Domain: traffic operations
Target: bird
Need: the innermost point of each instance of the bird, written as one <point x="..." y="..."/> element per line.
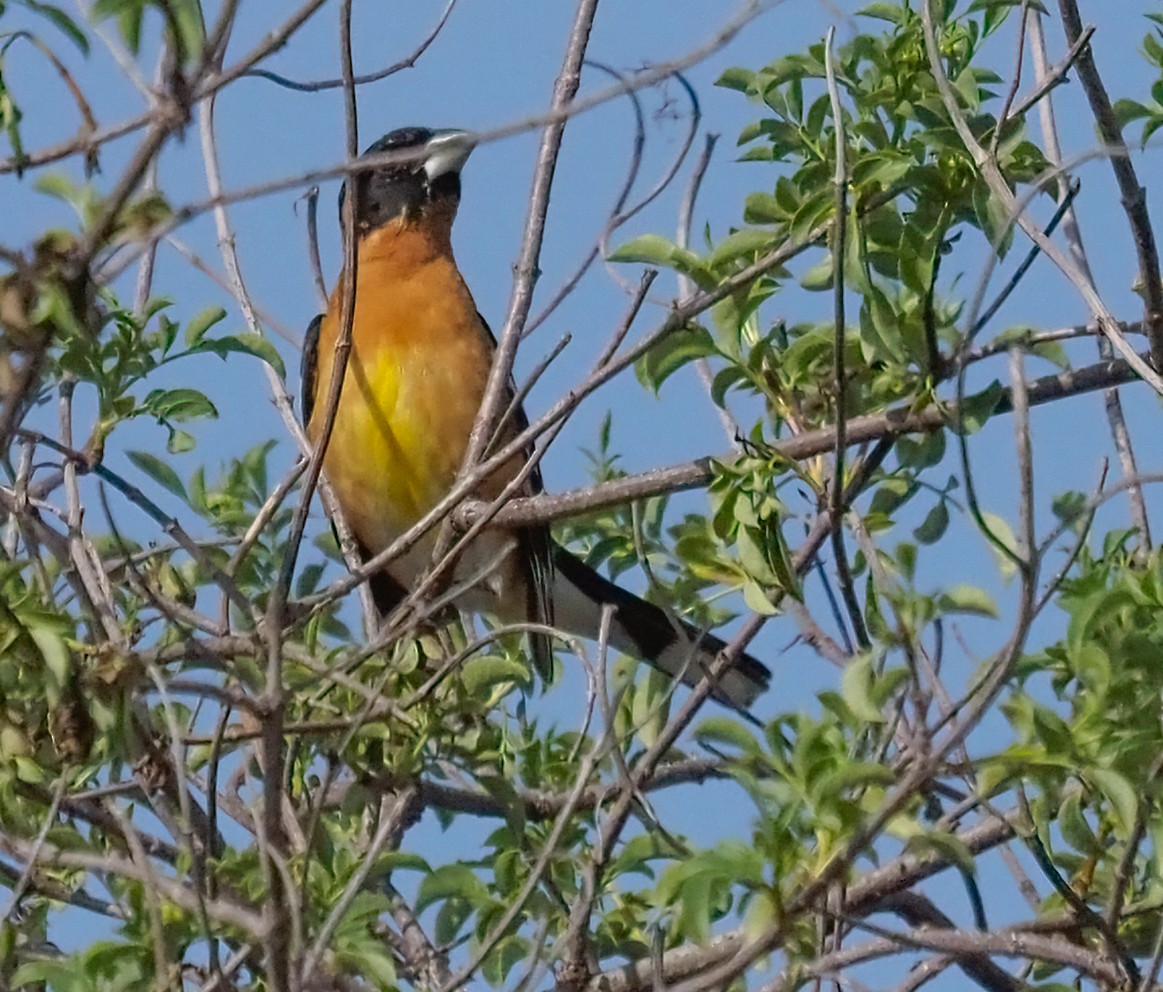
<point x="420" y="358"/>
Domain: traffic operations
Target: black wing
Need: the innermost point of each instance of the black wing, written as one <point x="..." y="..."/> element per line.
<point x="309" y="368"/>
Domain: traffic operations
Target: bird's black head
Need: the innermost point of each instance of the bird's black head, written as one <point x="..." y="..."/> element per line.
<point x="427" y="175"/>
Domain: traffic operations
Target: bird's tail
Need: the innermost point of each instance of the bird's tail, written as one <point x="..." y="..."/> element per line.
<point x="645" y="631"/>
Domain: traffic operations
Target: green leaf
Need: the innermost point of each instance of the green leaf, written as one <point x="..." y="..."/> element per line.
<point x="671" y="353"/>
<point x="979" y="5"/>
<point x="1129" y="111"/>
<point x="1120" y="792"/>
<point x="180" y="442"/>
<point x="856" y="689"/>
<point x="819" y="277"/>
<point x="1002" y="531"/>
<point x="450" y="919"/>
<point x="56" y="973"/>
<point x="188" y="20"/>
<point x="891" y="12"/>
<point x="247" y="344"/>
<point x="654" y="250"/>
<point x="946" y="846"/>
<point x="179" y="404"/>
<point x="159" y="471"/>
<point x="892" y="494"/>
<point x="975" y="410"/>
<point x="1075" y="829"/>
<point x="1069" y="507"/>
<point x="933" y="527"/>
<point x="28" y="770"/>
<point x="196" y="329"/>
<point x="54" y="651"/>
<point x="736" y="78"/>
<point x="763" y="208"/>
<point x="481" y="675"/>
<point x="880" y="324"/>
<point x="506" y="795"/>
<point x="448" y="882"/>
<point x="992" y="217"/>
<point x="923" y="451"/>
<point x="63" y="22"/>
<point x="10" y="117"/>
<point x="510" y="950"/>
<point x="651" y="249"/>
<point x="724" y="379"/>
<point x="129" y="14"/>
<point x="59" y="186"/>
<point x="725" y="730"/>
<point x="402" y="861"/>
<point x="756" y="599"/>
<point x="967" y="599"/>
<point x="745" y="243"/>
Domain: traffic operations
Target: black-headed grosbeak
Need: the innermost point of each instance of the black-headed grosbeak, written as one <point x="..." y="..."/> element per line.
<point x="420" y="358"/>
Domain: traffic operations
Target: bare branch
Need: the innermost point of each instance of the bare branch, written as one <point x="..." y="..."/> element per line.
<point x="1134" y="195"/>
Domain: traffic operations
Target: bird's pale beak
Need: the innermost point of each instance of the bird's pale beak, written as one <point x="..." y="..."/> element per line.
<point x="447" y="151"/>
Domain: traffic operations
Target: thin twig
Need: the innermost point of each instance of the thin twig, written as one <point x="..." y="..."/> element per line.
<point x="322" y="85"/>
<point x="1134" y="196"/>
<point x="527" y="268"/>
<point x="1114" y="408"/>
<point x="685" y="287"/>
<point x="840" y="338"/>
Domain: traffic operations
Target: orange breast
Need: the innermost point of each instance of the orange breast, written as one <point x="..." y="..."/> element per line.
<point x="417" y="371"/>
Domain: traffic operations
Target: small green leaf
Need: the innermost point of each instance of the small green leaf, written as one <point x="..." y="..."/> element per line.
<point x="967" y="599"/>
<point x="655" y="250"/>
<point x="510" y="951"/>
<point x="933" y="527"/>
<point x="1002" y="532"/>
<point x="54" y="651"/>
<point x="28" y="770"/>
<point x="744" y="244"/>
<point x="923" y="451"/>
<point x="893" y="493"/>
<point x="188" y="21"/>
<point x="179" y="404"/>
<point x="736" y="78"/>
<point x="724" y="730"/>
<point x="946" y="846"/>
<point x="856" y="689"/>
<point x="1121" y="794"/>
<point x="481" y="675"/>
<point x="1069" y="507"/>
<point x="975" y="410"/>
<point x="1128" y="111"/>
<point x="63" y="22"/>
<point x="180" y="442"/>
<point x="448" y="882"/>
<point x="819" y="277"/>
<point x="129" y="14"/>
<point x="652" y="249"/>
<point x="756" y="599"/>
<point x="883" y="11"/>
<point x="724" y="379"/>
<point x="1075" y="829"/>
<point x="159" y="471"/>
<point x="671" y="353"/>
<point x="196" y="329"/>
<point x="247" y="344"/>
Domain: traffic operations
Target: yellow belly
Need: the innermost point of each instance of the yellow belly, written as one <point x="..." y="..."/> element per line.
<point x="399" y="438"/>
